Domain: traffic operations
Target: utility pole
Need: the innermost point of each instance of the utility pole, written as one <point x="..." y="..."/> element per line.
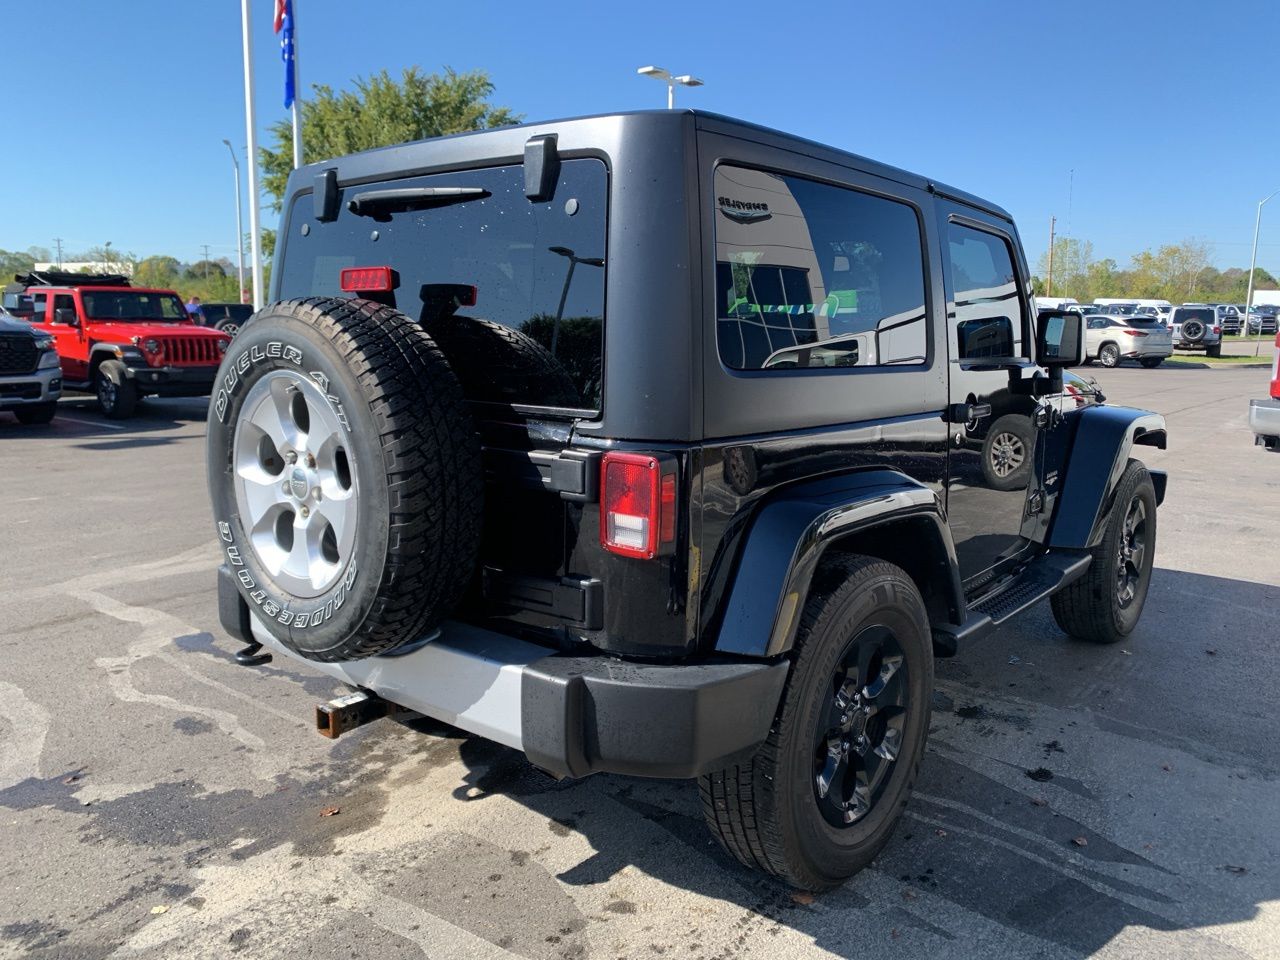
<point x="57" y="241"/>
<point x="251" y="138"/>
<point x="1048" y="284"/>
<point x="206" y="260"/>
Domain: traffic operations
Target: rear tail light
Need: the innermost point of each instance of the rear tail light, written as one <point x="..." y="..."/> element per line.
<point x="1217" y="329"/>
<point x="368" y="280"/>
<point x="637" y="505"/>
<point x="1136" y="333"/>
<point x="1275" y="371"/>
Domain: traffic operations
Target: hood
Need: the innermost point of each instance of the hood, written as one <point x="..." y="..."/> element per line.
<point x="9" y="325"/>
<point x="108" y="330"/>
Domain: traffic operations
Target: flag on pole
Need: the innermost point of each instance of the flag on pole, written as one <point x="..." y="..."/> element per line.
<point x="284" y="27"/>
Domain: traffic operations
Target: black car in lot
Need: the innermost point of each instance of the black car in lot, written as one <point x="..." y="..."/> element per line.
<point x="656" y="443"/>
<point x="228" y="317"/>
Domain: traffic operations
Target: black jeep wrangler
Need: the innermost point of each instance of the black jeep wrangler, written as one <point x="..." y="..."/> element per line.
<point x="654" y="444"/>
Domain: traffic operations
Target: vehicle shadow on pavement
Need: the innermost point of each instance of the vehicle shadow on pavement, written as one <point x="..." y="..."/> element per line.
<point x="79" y="419"/>
<point x="1118" y="835"/>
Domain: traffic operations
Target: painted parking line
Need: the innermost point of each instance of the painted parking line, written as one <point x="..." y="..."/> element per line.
<point x="91" y="423"/>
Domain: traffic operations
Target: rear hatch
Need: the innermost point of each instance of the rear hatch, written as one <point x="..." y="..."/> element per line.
<point x="513" y="292"/>
<point x="1155" y="333"/>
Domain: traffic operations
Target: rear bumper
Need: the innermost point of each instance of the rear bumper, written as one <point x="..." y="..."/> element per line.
<point x="43" y="386"/>
<point x="174" y="381"/>
<point x="572" y="716"/>
<point x="1264" y="421"/>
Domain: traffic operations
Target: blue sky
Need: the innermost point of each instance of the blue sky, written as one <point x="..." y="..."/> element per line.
<point x="1166" y="111"/>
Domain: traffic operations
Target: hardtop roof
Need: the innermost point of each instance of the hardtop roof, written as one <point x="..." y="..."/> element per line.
<point x="704" y="120"/>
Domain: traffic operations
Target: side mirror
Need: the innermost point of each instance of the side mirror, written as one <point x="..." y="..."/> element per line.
<point x="1059" y="339"/>
<point x="66" y="315"/>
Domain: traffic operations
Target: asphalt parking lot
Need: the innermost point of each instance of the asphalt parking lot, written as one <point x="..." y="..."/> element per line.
<point x="157" y="800"/>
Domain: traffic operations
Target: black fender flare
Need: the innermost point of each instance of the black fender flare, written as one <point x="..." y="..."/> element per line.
<point x="1102" y="438"/>
<point x="791" y="531"/>
<point x="102" y="350"/>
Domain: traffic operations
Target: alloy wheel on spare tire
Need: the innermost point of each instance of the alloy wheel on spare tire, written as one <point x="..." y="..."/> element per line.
<point x="345" y="476"/>
<point x="1193" y="331"/>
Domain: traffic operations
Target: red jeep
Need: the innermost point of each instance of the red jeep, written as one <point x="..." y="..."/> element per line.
<point x="123" y="342"/>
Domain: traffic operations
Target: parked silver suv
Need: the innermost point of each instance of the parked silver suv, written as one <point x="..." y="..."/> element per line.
<point x="30" y="375"/>
<point x="1195" y="327"/>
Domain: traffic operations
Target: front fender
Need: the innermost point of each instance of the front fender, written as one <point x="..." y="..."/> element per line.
<point x="1102" y="440"/>
<point x="790" y="533"/>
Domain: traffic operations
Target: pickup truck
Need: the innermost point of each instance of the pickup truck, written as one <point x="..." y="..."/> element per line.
<point x="1264" y="415"/>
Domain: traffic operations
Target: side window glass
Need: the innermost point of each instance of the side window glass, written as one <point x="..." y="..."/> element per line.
<point x="987" y="308"/>
<point x="38" y="302"/>
<point x="63" y="301"/>
<point x="810" y="275"/>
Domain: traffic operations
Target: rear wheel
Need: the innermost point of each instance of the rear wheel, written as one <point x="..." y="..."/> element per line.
<point x="229" y="327"/>
<point x="1151" y="362"/>
<point x="1105" y="604"/>
<point x="1109" y="355"/>
<point x="820" y="798"/>
<point x="36" y="413"/>
<point x="117" y="394"/>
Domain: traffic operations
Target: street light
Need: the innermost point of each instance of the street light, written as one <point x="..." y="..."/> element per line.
<point x="564" y="293"/>
<point x="659" y="74"/>
<point x="239" y="229"/>
<point x="1253" y="263"/>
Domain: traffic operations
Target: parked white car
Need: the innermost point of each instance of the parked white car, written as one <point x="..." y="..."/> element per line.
<point x="1110" y="339"/>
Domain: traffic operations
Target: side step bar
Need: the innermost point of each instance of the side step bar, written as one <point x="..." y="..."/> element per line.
<point x="1038" y="580"/>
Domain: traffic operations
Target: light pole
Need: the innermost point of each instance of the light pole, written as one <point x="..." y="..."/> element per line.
<point x="1253" y="263"/>
<point x="564" y="293"/>
<point x="239" y="228"/>
<point x="659" y="74"/>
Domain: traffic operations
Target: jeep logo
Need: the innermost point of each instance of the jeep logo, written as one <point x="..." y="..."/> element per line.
<point x="743" y="211"/>
<point x="298" y="483"/>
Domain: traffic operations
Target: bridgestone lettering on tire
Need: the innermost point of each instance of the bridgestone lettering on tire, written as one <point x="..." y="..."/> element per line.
<point x="345" y="475"/>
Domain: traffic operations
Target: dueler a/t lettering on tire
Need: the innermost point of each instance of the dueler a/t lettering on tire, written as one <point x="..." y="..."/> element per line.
<point x="345" y="476"/>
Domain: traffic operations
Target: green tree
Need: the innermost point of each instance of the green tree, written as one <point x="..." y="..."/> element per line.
<point x="205" y="269"/>
<point x="157" y="271"/>
<point x="381" y="111"/>
<point x="1071" y="260"/>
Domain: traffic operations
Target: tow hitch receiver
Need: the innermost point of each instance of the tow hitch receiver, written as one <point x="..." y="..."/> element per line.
<point x="336" y="717"/>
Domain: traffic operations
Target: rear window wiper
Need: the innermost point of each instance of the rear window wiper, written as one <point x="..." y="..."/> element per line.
<point x="379" y="203"/>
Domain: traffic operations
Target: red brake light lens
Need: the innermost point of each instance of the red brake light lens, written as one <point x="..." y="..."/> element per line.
<point x="637" y="505"/>
<point x="368" y="279"/>
<point x="1135" y="333"/>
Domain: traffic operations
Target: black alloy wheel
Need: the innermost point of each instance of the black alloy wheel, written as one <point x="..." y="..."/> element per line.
<point x="858" y="738"/>
<point x="1132" y="552"/>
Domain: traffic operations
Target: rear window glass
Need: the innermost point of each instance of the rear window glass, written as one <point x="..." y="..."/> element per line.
<point x="1203" y="314"/>
<point x="532" y="332"/>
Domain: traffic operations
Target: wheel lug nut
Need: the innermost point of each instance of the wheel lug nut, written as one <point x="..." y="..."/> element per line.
<point x="290" y="457"/>
<point x="285" y="486"/>
<point x="305" y="512"/>
<point x="311" y="461"/>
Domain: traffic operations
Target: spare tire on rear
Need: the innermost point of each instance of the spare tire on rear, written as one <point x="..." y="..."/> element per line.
<point x="345" y="476"/>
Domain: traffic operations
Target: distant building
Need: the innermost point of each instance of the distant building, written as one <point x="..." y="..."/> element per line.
<point x="88" y="266"/>
<point x="1268" y="297"/>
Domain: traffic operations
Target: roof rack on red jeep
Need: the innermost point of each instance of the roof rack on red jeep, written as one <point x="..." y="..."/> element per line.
<point x="57" y="278"/>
